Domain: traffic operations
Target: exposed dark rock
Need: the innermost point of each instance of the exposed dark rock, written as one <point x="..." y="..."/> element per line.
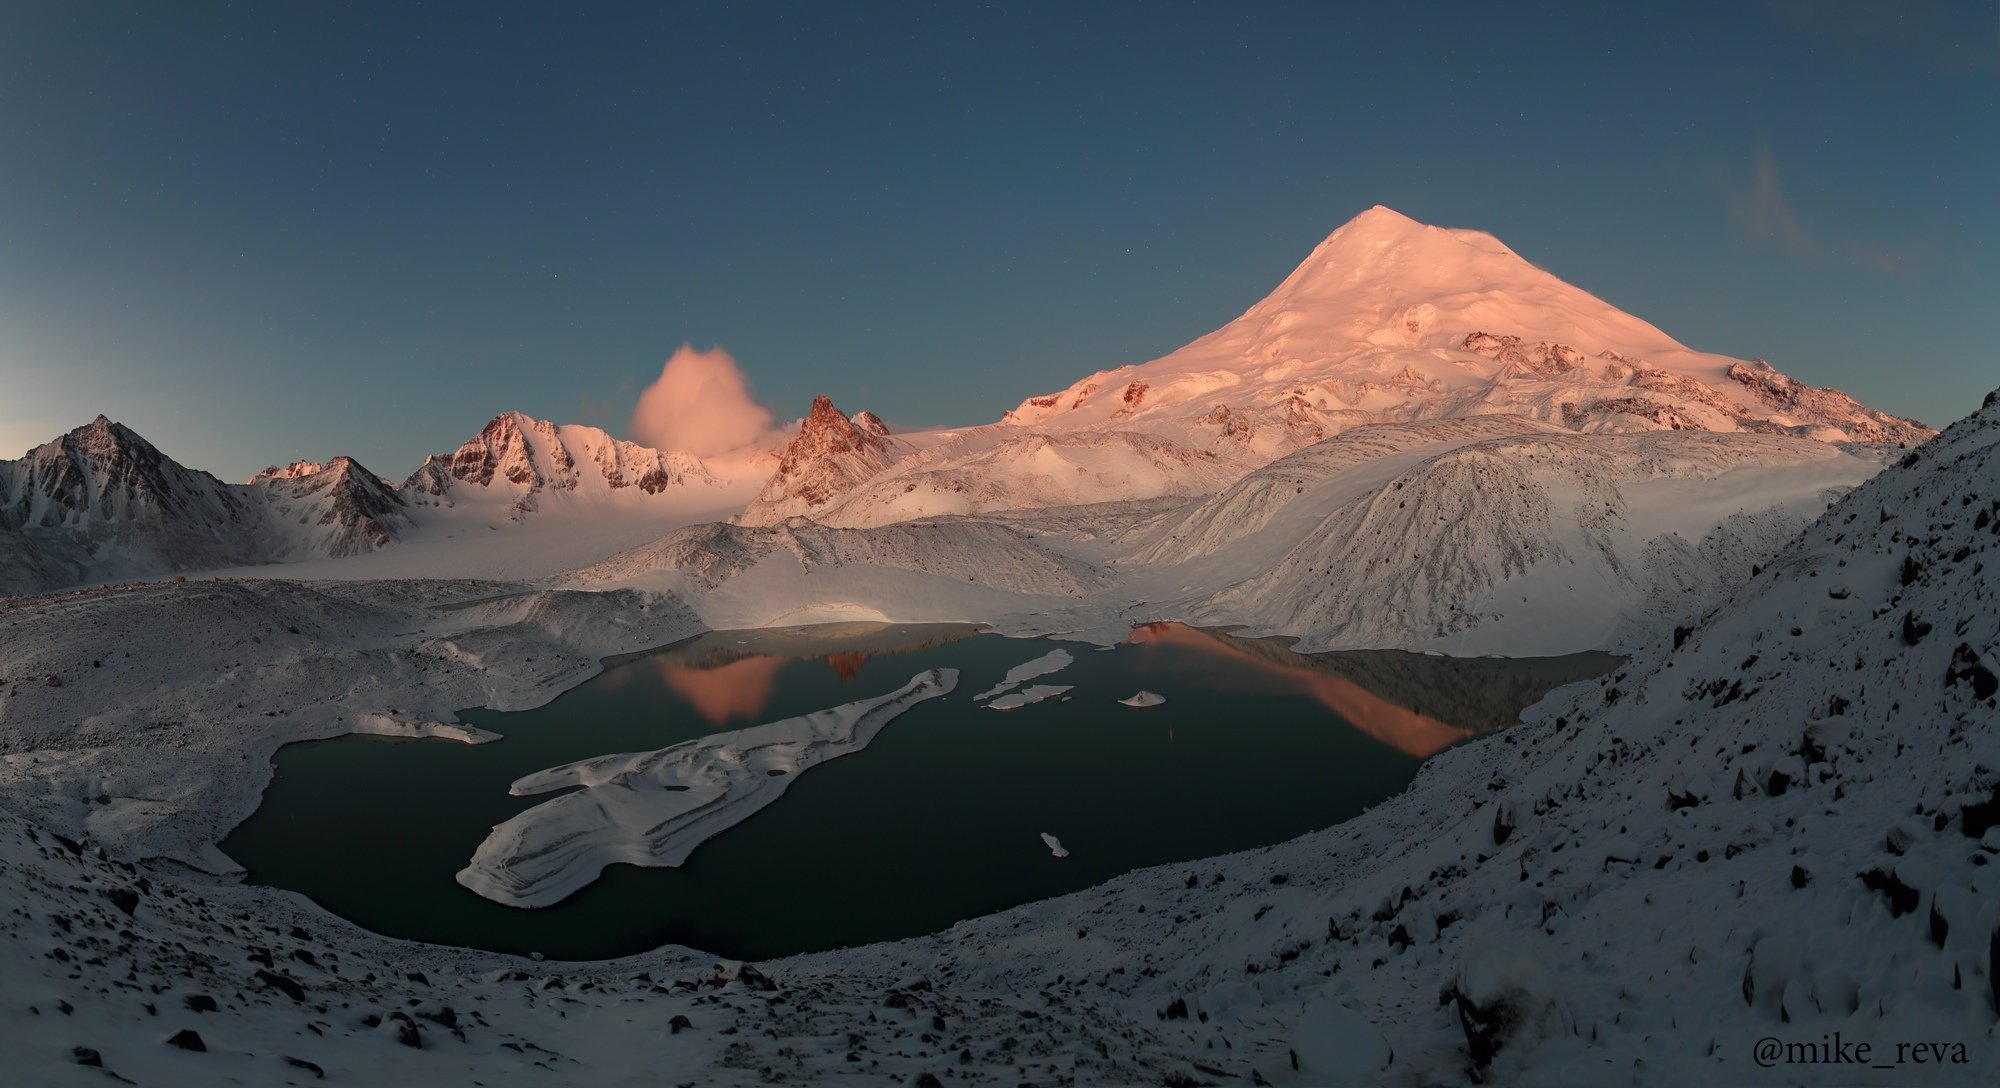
<point x="1967" y="667"/>
<point x="1914" y="628"/>
<point x="405" y="1030"/>
<point x="1902" y="898"/>
<point x="287" y="986"/>
<point x="1977" y="818"/>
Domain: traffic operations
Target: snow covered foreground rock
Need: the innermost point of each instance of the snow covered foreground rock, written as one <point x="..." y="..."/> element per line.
<point x="1776" y="825"/>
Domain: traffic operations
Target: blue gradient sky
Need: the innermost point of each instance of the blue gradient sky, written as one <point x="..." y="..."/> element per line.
<point x="255" y="232"/>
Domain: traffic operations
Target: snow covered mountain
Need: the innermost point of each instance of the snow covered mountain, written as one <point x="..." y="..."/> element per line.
<point x="102" y="502"/>
<point x="829" y="457"/>
<point x="336" y="510"/>
<point x="1389" y="319"/>
<point x="1386" y="321"/>
<point x="522" y="461"/>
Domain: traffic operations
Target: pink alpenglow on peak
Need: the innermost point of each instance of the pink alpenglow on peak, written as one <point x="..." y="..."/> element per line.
<point x="1391" y="320"/>
<point x="527" y="458"/>
<point x="831" y="456"/>
<point x="292" y="471"/>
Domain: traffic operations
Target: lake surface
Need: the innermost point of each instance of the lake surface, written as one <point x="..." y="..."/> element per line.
<point x="938" y="820"/>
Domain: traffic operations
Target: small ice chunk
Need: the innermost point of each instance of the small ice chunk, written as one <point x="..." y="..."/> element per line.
<point x="1144" y="698"/>
<point x="1022" y="673"/>
<point x="1029" y="695"/>
<point x="1055" y="845"/>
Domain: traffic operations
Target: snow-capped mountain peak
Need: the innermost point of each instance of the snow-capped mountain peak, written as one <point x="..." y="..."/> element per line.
<point x="101" y="500"/>
<point x="1391" y="320"/>
<point x="331" y="510"/>
<point x="830" y="456"/>
<point x="103" y="473"/>
<point x="870" y="422"/>
<point x="293" y="471"/>
<point x="525" y="458"/>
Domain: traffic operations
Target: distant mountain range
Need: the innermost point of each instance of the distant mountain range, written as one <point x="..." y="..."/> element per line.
<point x="1387" y="322"/>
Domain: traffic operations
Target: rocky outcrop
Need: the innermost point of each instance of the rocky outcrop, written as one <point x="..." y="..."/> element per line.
<point x="525" y="459"/>
<point x="831" y="456"/>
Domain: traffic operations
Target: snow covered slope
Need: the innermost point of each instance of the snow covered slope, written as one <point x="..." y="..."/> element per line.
<point x="1000" y="471"/>
<point x="1537" y="543"/>
<point x="803" y="572"/>
<point x="1389" y="319"/>
<point x="1312" y="482"/>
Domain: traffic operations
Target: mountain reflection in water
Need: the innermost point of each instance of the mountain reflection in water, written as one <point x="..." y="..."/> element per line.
<point x="1391" y="695"/>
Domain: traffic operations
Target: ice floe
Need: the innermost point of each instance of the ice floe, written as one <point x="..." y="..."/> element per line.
<point x="1017" y="700"/>
<point x="653" y="808"/>
<point x="1055" y="845"/>
<point x="1144" y="698"/>
<point x="1052" y="661"/>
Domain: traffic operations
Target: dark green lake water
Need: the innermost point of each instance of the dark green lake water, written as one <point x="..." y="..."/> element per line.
<point x="938" y="820"/>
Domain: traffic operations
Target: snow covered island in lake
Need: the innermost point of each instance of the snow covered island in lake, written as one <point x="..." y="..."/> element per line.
<point x="653" y="808"/>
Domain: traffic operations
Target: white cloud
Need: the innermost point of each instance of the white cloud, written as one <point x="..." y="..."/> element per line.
<point x="701" y="404"/>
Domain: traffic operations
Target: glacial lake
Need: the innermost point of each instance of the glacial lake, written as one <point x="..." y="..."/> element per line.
<point x="938" y="820"/>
